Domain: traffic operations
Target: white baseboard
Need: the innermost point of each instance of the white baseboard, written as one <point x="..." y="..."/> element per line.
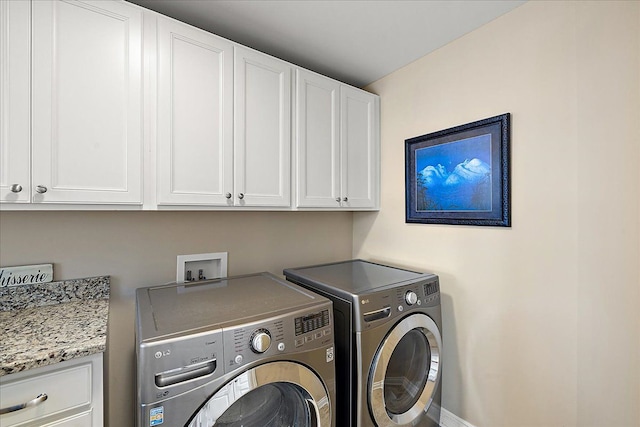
<point x="448" y="419"/>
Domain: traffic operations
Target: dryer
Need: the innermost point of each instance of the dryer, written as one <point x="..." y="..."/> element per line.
<point x="388" y="341"/>
<point x="246" y="351"/>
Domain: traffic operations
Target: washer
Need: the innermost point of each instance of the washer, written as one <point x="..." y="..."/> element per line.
<point x="246" y="351"/>
<point x="388" y="341"/>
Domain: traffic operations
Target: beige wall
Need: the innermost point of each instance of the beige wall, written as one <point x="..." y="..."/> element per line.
<point x="139" y="249"/>
<point x="541" y="320"/>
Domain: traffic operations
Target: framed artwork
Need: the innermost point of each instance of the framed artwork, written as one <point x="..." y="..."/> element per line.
<point x="460" y="175"/>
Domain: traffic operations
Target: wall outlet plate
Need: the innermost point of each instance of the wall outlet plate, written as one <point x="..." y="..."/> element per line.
<point x="192" y="268"/>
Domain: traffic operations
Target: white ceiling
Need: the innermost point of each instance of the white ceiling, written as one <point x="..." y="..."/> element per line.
<point x="357" y="42"/>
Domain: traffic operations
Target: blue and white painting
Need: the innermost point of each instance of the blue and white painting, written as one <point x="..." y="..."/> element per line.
<point x="455" y="176"/>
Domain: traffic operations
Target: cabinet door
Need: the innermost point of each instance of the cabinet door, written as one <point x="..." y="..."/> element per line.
<point x="86" y="102"/>
<point x="262" y="141"/>
<point x="15" y="50"/>
<point x="317" y="139"/>
<point x="195" y="116"/>
<point x="359" y="147"/>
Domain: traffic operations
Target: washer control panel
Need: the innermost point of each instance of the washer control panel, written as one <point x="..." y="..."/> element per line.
<point x="300" y="331"/>
<point x="312" y="327"/>
<point x="312" y="322"/>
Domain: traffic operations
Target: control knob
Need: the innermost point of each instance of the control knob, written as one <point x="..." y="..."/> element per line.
<point x="260" y="341"/>
<point x="410" y="297"/>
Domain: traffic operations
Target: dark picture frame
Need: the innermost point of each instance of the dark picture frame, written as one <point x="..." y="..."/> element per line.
<point x="460" y="175"/>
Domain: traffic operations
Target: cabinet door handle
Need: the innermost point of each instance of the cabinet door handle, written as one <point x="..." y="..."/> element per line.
<point x="338" y="199"/>
<point x="346" y="199"/>
<point x="39" y="399"/>
<point x="241" y="196"/>
<point x="16" y="188"/>
<point x="41" y="189"/>
<point x="228" y="195"/>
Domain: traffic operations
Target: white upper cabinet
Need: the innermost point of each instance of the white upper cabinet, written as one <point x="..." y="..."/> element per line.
<point x="337" y="160"/>
<point x="224" y="122"/>
<point x="262" y="146"/>
<point x="359" y="148"/>
<point x="15" y="89"/>
<point x="218" y="118"/>
<point x="195" y="116"/>
<point x="86" y="102"/>
<point x="318" y="141"/>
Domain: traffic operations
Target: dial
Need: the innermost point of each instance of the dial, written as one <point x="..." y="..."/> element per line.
<point x="260" y="341"/>
<point x="410" y="297"/>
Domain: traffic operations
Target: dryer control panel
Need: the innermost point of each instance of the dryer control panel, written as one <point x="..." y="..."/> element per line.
<point x="385" y="305"/>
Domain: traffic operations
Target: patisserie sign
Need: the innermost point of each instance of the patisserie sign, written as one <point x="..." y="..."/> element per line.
<point x="25" y="275"/>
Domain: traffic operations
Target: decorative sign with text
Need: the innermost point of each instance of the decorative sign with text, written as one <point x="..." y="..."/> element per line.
<point x="25" y="275"/>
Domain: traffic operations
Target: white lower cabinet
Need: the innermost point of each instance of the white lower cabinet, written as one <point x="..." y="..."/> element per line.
<point x="73" y="390"/>
<point x="80" y="420"/>
<point x="337" y="145"/>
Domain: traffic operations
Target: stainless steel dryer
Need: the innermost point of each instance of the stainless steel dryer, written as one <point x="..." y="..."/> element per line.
<point x="388" y="341"/>
<point x="243" y="351"/>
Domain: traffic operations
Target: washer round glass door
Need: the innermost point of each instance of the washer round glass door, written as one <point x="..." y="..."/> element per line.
<point x="405" y="372"/>
<point x="271" y="395"/>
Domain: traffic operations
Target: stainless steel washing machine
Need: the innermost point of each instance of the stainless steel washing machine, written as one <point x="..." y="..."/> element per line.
<point x="388" y="341"/>
<point x="245" y="351"/>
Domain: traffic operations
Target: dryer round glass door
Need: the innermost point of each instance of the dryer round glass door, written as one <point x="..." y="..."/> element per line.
<point x="405" y="372"/>
<point x="270" y="395"/>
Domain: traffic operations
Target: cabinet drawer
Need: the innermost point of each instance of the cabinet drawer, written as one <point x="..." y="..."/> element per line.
<point x="68" y="390"/>
<point x="80" y="420"/>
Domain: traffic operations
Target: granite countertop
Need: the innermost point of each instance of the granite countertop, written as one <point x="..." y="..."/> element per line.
<point x="48" y="323"/>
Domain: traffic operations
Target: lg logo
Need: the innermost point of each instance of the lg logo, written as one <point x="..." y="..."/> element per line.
<point x="159" y="354"/>
<point x="364" y="301"/>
